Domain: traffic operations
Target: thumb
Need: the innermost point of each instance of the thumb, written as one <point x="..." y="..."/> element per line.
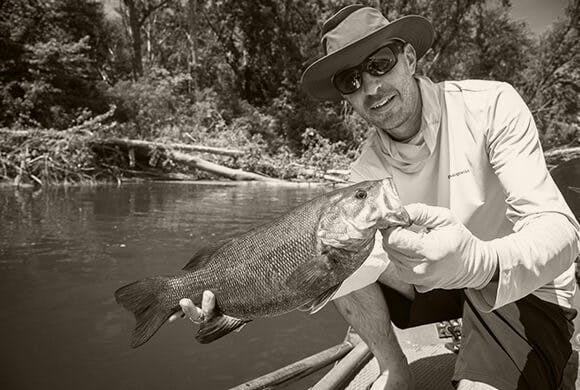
<point x="429" y="216"/>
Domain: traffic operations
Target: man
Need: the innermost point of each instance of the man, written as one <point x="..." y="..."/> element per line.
<point x="496" y="243"/>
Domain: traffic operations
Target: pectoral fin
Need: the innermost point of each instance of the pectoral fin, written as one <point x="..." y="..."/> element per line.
<point x="319" y="302"/>
<point x="217" y="327"/>
<point x="318" y="271"/>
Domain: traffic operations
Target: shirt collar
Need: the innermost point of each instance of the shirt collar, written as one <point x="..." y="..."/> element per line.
<point x="431" y="113"/>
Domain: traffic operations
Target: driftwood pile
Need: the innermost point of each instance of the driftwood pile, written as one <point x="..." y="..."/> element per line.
<point x="152" y="151"/>
<point x="137" y="151"/>
<point x="83" y="154"/>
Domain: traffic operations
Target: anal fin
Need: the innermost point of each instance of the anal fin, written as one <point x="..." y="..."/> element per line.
<point x="218" y="326"/>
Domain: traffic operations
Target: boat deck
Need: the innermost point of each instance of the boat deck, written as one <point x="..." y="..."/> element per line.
<point x="430" y="362"/>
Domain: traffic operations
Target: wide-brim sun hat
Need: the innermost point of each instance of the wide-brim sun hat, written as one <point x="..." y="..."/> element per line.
<point x="351" y="35"/>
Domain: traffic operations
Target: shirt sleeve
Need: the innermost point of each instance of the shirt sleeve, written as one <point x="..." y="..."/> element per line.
<point x="368" y="273"/>
<point x="545" y="241"/>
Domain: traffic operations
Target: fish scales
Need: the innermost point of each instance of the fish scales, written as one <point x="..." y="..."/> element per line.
<point x="266" y="255"/>
<point x="297" y="260"/>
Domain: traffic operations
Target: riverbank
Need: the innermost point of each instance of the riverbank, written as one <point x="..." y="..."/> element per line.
<point x="95" y="153"/>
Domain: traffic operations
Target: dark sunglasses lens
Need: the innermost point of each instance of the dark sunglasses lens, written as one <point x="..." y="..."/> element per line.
<point x="381" y="62"/>
<point x="347" y="81"/>
<point x="377" y="64"/>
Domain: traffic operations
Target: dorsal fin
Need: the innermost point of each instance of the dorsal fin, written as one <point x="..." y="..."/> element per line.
<point x="201" y="257"/>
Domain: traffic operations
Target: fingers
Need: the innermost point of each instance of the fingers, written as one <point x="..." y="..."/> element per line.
<point x="429" y="216"/>
<point x="401" y="260"/>
<point x="208" y="305"/>
<point x="404" y="241"/>
<point x="194" y="313"/>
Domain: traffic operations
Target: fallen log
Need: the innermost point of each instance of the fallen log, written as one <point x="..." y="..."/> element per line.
<point x="560" y="155"/>
<point x="167" y="176"/>
<point x="193" y="148"/>
<point x="146" y="147"/>
<point x="329" y="174"/>
<point x="340" y="172"/>
<point x="326" y="176"/>
<point x="562" y="151"/>
<point x="220" y="170"/>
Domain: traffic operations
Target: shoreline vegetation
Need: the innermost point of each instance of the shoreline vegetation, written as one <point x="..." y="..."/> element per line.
<point x="90" y="154"/>
<point x="82" y="155"/>
<point x="98" y="91"/>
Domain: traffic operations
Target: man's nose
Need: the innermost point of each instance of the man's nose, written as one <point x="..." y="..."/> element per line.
<point x="370" y="84"/>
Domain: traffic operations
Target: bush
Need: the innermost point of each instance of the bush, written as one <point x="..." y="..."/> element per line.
<point x="55" y="85"/>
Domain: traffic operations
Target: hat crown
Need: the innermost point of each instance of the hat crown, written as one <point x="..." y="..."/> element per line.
<point x="351" y="34"/>
<point x="355" y="25"/>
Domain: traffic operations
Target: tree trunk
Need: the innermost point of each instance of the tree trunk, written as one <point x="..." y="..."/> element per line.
<point x="135" y="25"/>
<point x="192" y="34"/>
<point x="220" y="170"/>
<point x="128" y="143"/>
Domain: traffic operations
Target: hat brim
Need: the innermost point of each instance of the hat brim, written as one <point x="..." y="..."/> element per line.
<point x="317" y="78"/>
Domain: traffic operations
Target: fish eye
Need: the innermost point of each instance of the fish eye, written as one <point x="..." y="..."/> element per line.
<point x="360" y="194"/>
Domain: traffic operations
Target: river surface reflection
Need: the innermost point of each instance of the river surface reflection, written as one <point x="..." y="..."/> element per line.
<point x="64" y="251"/>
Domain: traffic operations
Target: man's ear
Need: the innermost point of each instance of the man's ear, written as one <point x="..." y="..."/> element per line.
<point x="411" y="57"/>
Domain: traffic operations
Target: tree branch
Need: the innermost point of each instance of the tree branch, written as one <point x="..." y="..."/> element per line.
<point x="149" y="10"/>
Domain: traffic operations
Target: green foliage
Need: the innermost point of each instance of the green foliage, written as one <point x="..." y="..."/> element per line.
<point x="150" y="104"/>
<point x="322" y="154"/>
<point x="551" y="84"/>
<point x="49" y="71"/>
<point x="226" y="72"/>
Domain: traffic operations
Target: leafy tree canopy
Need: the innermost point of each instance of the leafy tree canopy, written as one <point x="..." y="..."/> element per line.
<point x="242" y="61"/>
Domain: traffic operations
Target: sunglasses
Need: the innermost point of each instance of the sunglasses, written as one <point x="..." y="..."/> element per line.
<point x="378" y="63"/>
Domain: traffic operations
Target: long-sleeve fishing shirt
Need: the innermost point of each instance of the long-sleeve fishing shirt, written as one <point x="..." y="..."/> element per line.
<point x="478" y="154"/>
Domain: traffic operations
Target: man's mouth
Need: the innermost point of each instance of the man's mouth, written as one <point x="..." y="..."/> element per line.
<point x="383" y="102"/>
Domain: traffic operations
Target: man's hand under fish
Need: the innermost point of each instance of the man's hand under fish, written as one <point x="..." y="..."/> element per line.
<point x="195" y="314"/>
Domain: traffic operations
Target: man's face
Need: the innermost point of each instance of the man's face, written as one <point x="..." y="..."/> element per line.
<point x="390" y="100"/>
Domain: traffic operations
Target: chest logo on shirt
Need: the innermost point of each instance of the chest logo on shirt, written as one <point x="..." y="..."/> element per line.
<point x="458" y="173"/>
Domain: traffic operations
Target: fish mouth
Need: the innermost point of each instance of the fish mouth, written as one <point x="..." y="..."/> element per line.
<point x="395" y="218"/>
<point x="395" y="214"/>
<point x="400" y="217"/>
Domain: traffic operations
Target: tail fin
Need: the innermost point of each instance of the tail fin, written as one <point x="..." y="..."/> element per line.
<point x="144" y="298"/>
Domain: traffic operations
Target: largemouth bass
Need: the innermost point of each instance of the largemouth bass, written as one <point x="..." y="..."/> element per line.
<point x="298" y="260"/>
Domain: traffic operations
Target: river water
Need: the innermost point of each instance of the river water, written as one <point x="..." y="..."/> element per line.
<point x="64" y="251"/>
